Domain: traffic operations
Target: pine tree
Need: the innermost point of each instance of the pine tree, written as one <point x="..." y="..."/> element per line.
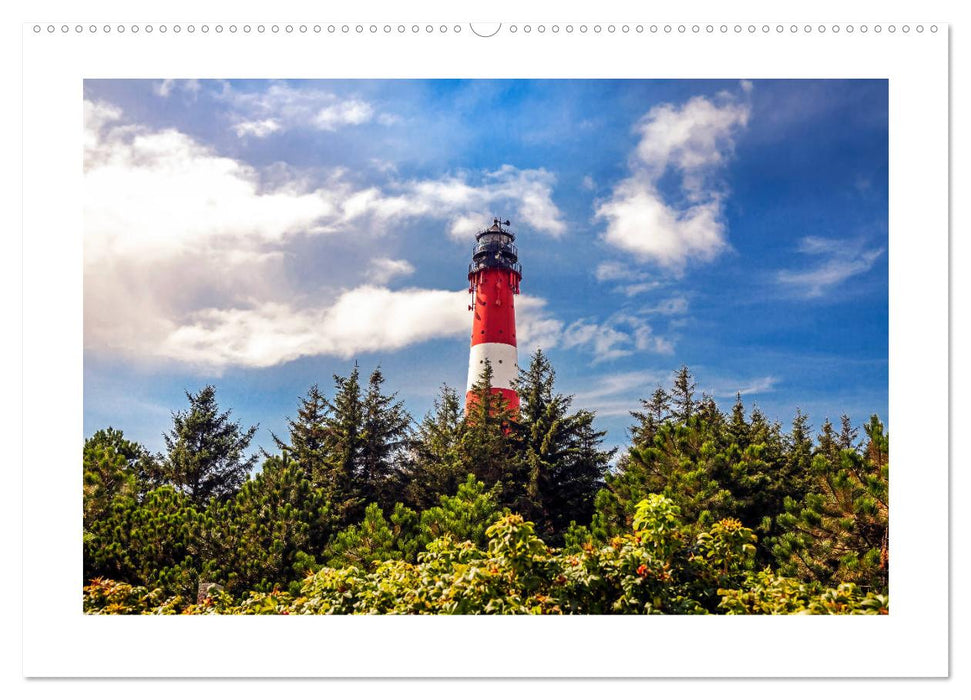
<point x="375" y="539"/>
<point x="308" y="436"/>
<point x="385" y="427"/>
<point x="343" y="448"/>
<point x="148" y="543"/>
<point x="838" y="532"/>
<point x="256" y="539"/>
<point x="682" y="395"/>
<point x="487" y="448"/>
<point x="434" y="467"/>
<point x="656" y="412"/>
<point x="114" y="467"/>
<point x="560" y="450"/>
<point x="206" y="451"/>
<point x="848" y="434"/>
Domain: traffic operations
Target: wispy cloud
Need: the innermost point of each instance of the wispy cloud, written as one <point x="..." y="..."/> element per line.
<point x="837" y="261"/>
<point x="383" y="270"/>
<point x="722" y="388"/>
<point x="466" y="200"/>
<point x="693" y="140"/>
<point x="618" y="394"/>
<point x="168" y="87"/>
<point x="288" y="108"/>
<point x="622" y="334"/>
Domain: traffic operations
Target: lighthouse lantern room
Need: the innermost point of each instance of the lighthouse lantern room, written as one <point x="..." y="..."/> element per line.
<point x="494" y="276"/>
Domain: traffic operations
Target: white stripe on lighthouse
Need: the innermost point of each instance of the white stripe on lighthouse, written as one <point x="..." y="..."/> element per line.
<point x="503" y="359"/>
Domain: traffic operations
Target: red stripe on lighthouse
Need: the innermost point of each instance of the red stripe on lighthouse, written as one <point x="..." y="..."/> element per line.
<point x="495" y="312"/>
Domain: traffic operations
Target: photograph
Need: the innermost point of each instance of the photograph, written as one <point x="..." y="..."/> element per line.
<point x="486" y="346"/>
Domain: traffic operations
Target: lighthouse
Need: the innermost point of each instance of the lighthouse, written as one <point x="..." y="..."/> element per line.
<point x="494" y="276"/>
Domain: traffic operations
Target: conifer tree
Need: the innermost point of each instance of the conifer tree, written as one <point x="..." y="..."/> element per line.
<point x="682" y="395"/>
<point x="656" y="412"/>
<point x="373" y="540"/>
<point x="838" y="532"/>
<point x="343" y="448"/>
<point x="257" y="538"/>
<point x="561" y="452"/>
<point x="848" y="434"/>
<point x="738" y="427"/>
<point x="434" y="467"/>
<point x="487" y="448"/>
<point x="114" y="467"/>
<point x="385" y="426"/>
<point x="148" y="543"/>
<point x="308" y="436"/>
<point x="206" y="451"/>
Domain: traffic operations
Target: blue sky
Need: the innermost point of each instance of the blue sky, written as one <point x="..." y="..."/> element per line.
<point x="262" y="235"/>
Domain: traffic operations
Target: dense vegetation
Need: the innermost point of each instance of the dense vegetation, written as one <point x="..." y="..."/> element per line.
<point x="363" y="511"/>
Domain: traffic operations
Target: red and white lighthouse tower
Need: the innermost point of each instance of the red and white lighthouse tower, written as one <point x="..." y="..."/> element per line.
<point x="494" y="276"/>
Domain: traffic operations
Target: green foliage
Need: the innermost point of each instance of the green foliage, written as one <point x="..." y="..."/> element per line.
<point x="365" y="545"/>
<point x="489" y="512"/>
<point x="650" y="570"/>
<point x="256" y="540"/>
<point x="487" y="447"/>
<point x="465" y="516"/>
<point x="564" y="464"/>
<point x="362" y="440"/>
<point x="308" y="437"/>
<point x="114" y="468"/>
<point x="767" y="594"/>
<point x="711" y="465"/>
<point x="435" y="466"/>
<point x="148" y="543"/>
<point x="206" y="452"/>
<point x="839" y="531"/>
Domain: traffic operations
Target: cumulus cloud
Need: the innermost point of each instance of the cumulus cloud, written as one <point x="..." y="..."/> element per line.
<point x="838" y="260"/>
<point x="186" y="253"/>
<point x="365" y="319"/>
<point x="692" y="141"/>
<point x="161" y="192"/>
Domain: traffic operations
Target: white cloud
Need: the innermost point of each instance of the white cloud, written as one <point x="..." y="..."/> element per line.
<point x="162" y="193"/>
<point x="612" y="271"/>
<point x="298" y="108"/>
<point x="169" y="86"/>
<point x="757" y="385"/>
<point x="693" y="140"/>
<point x="535" y="328"/>
<point x="618" y="394"/>
<point x="839" y="260"/>
<point x="673" y="306"/>
<point x="619" y="336"/>
<point x="186" y="253"/>
<point x="365" y="319"/>
<point x="522" y="195"/>
<point x="259" y="128"/>
<point x="348" y="112"/>
<point x="384" y="269"/>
